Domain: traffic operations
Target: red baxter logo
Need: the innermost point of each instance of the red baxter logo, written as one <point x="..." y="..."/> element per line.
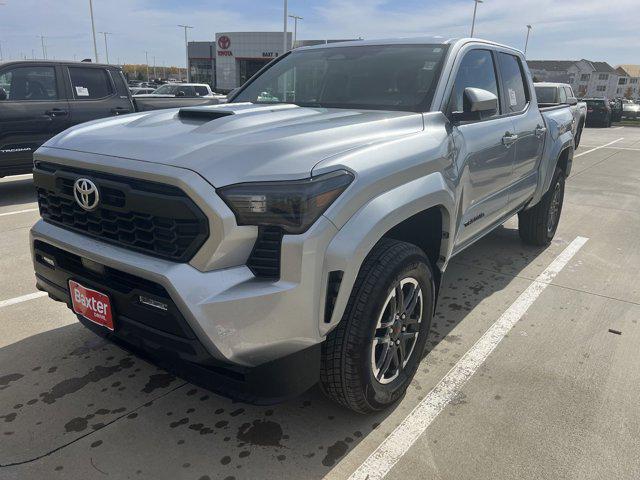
<point x="92" y="305"/>
<point x="224" y="42"/>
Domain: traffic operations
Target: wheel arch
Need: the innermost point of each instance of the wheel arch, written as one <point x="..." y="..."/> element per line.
<point x="395" y="214"/>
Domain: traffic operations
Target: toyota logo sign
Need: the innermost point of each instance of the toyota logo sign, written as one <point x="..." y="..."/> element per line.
<point x="86" y="194"/>
<point x="224" y="42"/>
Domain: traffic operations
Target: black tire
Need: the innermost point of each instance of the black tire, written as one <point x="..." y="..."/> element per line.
<point x="347" y="371"/>
<point x="576" y="140"/>
<point x="538" y="225"/>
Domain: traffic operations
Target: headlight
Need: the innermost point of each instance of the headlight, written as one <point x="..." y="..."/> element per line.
<point x="292" y="205"/>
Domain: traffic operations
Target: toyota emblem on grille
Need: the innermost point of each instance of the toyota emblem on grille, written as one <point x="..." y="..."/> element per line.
<point x="86" y="194"/>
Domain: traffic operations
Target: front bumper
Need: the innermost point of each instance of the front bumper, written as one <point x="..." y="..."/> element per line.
<point x="227" y="330"/>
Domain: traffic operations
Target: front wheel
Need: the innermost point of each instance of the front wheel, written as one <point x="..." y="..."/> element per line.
<point x="538" y="225"/>
<point x="370" y="358"/>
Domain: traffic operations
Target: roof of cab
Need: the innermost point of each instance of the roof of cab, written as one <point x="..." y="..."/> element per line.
<point x="57" y="62"/>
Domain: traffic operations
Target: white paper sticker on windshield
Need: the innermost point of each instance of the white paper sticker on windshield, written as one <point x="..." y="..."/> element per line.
<point x="82" y="91"/>
<point x="512" y="97"/>
<point x="429" y="65"/>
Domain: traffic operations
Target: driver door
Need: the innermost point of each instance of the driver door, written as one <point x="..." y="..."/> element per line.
<point x="35" y="109"/>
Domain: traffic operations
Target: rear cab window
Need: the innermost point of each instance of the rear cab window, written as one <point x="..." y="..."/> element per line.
<point x="29" y="83"/>
<point x="90" y="83"/>
<point x="516" y="94"/>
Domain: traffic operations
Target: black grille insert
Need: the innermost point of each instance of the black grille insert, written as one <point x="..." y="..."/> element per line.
<point x="153" y="218"/>
<point x="264" y="260"/>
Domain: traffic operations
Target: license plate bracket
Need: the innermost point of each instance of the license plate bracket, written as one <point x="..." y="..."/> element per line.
<point x="93" y="305"/>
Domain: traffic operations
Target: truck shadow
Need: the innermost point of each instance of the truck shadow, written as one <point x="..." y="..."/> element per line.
<point x="16" y="192"/>
<point x="104" y="409"/>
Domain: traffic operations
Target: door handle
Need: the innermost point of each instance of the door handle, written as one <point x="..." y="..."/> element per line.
<point x="119" y="110"/>
<point x="540" y="131"/>
<point x="56" y="112"/>
<point x="509" y="139"/>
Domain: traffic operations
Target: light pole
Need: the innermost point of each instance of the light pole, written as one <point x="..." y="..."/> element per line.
<point x="93" y="30"/>
<point x="155" y="75"/>
<point x="186" y="50"/>
<point x="44" y="51"/>
<point x="295" y="29"/>
<point x="284" y="39"/>
<point x="526" y="42"/>
<point x="106" y="47"/>
<point x="475" y="8"/>
<point x="146" y="56"/>
<point x="0" y="48"/>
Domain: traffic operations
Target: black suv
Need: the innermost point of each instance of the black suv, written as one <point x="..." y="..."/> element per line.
<point x="39" y="99"/>
<point x="598" y="112"/>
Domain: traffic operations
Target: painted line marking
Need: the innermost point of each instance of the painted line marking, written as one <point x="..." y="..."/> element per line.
<point x="620" y="148"/>
<point x="615" y="128"/>
<point x="19" y="211"/>
<point x="391" y="450"/>
<point x="598" y="148"/>
<point x="17" y="177"/>
<point x="23" y="298"/>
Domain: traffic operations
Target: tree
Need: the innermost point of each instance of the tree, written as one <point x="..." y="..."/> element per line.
<point x="629" y="93"/>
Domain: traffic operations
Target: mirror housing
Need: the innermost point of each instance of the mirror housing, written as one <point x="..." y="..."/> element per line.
<point x="3" y="94"/>
<point x="476" y="105"/>
<point x="572" y="101"/>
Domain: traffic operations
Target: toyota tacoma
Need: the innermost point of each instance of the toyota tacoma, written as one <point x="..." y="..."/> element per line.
<point x="299" y="234"/>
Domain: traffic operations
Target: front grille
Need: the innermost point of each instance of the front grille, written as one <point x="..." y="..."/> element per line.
<point x="149" y="217"/>
<point x="264" y="260"/>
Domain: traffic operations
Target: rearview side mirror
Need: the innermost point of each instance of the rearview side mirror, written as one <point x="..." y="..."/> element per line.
<point x="3" y="94"/>
<point x="572" y="101"/>
<point x="476" y="105"/>
<point x="180" y="93"/>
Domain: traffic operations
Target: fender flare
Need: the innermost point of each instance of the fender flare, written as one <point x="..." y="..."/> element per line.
<point x="548" y="168"/>
<point x="349" y="248"/>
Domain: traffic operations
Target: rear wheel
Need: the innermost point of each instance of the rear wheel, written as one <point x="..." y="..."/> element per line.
<point x="538" y="225"/>
<point x="370" y="358"/>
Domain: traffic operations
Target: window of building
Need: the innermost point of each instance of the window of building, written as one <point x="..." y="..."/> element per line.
<point x="622" y="81"/>
<point x="603" y="76"/>
<point x="90" y="83"/>
<point x="633" y="80"/>
<point x="601" y="88"/>
<point x="29" y="83"/>
<point x="584" y="77"/>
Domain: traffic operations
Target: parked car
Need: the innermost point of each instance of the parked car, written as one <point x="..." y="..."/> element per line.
<point x="598" y="112"/>
<point x="630" y="111"/>
<point x="141" y="91"/>
<point x="616" y="109"/>
<point x="552" y="95"/>
<point x="190" y="94"/>
<point x="259" y="247"/>
<point x="39" y="99"/>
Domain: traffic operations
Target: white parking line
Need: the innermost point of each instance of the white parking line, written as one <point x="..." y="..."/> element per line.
<point x="598" y="148"/>
<point x="23" y="298"/>
<point x="18" y="211"/>
<point x="391" y="450"/>
<point x="615" y="128"/>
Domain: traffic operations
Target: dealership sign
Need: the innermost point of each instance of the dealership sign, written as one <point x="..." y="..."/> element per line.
<point x="224" y="43"/>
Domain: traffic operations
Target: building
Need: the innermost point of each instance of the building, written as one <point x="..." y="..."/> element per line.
<point x="239" y="55"/>
<point x="587" y="78"/>
<point x="202" y="62"/>
<point x="628" y="83"/>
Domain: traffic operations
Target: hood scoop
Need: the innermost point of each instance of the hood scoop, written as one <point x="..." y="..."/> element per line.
<point x="203" y="113"/>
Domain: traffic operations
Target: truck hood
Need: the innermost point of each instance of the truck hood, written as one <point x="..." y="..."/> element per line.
<point x="240" y="142"/>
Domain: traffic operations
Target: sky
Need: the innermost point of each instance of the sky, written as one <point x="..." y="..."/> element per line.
<point x="594" y="29"/>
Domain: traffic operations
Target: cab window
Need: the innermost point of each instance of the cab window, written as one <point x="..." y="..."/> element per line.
<point x="516" y="95"/>
<point x="476" y="70"/>
<point x="29" y="83"/>
<point x="201" y="91"/>
<point x="90" y="83"/>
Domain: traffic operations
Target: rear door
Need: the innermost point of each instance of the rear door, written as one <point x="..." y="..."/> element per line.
<point x="486" y="152"/>
<point x="34" y="110"/>
<point x="529" y="127"/>
<point x="94" y="94"/>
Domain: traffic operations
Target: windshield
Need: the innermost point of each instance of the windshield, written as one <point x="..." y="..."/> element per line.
<point x="381" y="77"/>
<point x="595" y="103"/>
<point x="546" y="94"/>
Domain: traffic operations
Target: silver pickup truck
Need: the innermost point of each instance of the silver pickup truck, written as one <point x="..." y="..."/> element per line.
<point x="299" y="234"/>
<point x="553" y="95"/>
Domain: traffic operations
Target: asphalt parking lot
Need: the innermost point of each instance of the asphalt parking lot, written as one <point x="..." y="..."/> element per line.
<point x="555" y="396"/>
